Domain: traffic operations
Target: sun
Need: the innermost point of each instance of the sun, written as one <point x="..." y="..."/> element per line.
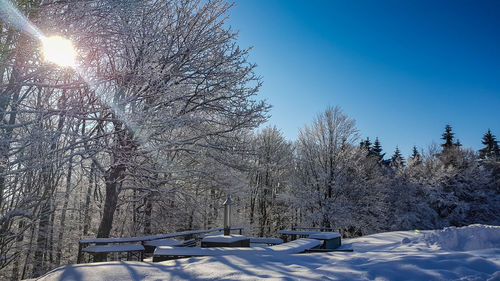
<point x="59" y="50"/>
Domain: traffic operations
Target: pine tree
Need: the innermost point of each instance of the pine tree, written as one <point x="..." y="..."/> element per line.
<point x="366" y="144"/>
<point x="491" y="149"/>
<point x="447" y="137"/>
<point x="416" y="159"/>
<point x="377" y="149"/>
<point x="451" y="155"/>
<point x="397" y="160"/>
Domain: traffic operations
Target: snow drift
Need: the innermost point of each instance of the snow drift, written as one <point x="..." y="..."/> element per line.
<point x="473" y="237"/>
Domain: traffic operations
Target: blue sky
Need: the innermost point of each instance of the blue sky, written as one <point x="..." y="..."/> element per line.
<point x="401" y="69"/>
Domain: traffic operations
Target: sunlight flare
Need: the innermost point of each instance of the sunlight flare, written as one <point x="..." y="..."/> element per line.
<point x="59" y="50"/>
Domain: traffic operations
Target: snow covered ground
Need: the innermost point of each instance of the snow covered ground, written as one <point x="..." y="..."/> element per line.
<point x="468" y="253"/>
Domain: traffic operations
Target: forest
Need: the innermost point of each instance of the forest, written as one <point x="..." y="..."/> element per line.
<point x="160" y="121"/>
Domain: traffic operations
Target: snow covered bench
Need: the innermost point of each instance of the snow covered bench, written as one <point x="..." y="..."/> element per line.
<point x="331" y="240"/>
<point x="163" y="253"/>
<point x="130" y="249"/>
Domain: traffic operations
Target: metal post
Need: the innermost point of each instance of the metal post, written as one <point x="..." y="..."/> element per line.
<point x="227" y="215"/>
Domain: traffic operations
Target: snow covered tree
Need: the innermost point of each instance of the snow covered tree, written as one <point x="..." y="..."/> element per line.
<point x="450" y="150"/>
<point x="415" y="158"/>
<point x="366" y="144"/>
<point x="491" y="150"/>
<point x="269" y="180"/>
<point x="199" y="84"/>
<point x="397" y="160"/>
<point x="325" y="150"/>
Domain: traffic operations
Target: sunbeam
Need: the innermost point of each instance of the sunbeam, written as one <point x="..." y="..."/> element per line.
<point x="12" y="16"/>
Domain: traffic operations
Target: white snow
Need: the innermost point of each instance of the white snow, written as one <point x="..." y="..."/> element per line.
<point x="325" y="235"/>
<point x="224" y="238"/>
<point x="474" y="237"/>
<point x="404" y="255"/>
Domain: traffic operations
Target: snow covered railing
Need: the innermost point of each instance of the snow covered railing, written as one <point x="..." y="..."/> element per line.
<point x="188" y="237"/>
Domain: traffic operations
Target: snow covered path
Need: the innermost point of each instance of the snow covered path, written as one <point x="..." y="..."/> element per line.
<point x="405" y="255"/>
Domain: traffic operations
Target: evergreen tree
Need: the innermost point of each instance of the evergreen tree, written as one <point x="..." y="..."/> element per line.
<point x="377" y="149"/>
<point x="491" y="149"/>
<point x="447" y="137"/>
<point x="397" y="160"/>
<point x="366" y="144"/>
<point x="451" y="155"/>
<point x="416" y="159"/>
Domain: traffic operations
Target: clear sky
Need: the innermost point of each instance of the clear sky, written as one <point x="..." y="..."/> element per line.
<point x="401" y="69"/>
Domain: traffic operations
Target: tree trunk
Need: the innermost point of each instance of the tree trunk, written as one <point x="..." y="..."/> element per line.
<point x="113" y="178"/>
<point x="148" y="210"/>
<point x="86" y="215"/>
<point x="19" y="240"/>
<point x="135" y="221"/>
<point x="62" y="224"/>
<point x="27" y="260"/>
<point x="50" y="240"/>
<point x="39" y="266"/>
